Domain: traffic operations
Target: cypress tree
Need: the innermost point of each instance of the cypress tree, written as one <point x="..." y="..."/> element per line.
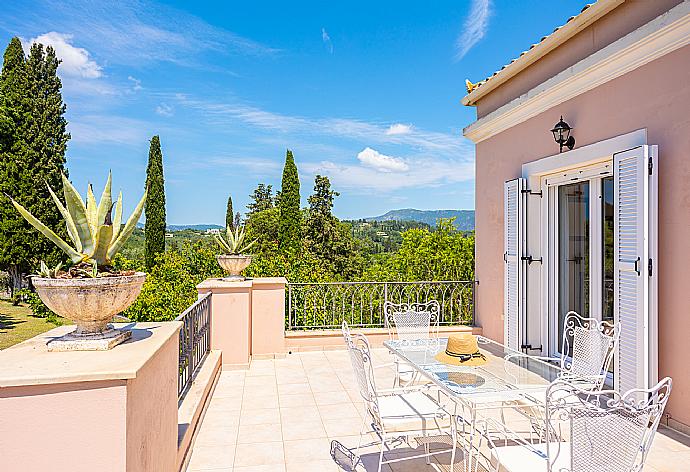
<point x="229" y="215"/>
<point x="289" y="234"/>
<point x="154" y="229"/>
<point x="33" y="141"/>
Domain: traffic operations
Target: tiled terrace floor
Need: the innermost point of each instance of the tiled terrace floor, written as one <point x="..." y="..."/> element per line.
<point x="281" y="416"/>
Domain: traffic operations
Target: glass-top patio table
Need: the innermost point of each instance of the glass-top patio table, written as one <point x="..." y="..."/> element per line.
<point x="508" y="379"/>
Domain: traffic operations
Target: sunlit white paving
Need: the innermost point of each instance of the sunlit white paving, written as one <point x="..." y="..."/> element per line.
<point x="289" y="414"/>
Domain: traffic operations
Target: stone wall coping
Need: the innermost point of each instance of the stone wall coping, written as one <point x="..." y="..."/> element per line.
<point x="30" y="363"/>
<point x="222" y="284"/>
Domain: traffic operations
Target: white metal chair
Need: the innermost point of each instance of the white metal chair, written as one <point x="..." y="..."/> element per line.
<point x="410" y="322"/>
<point x="396" y="413"/>
<point x="592" y="344"/>
<point x="590" y="431"/>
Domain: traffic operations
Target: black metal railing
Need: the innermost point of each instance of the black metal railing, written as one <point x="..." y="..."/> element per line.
<point x="195" y="341"/>
<point x="327" y="305"/>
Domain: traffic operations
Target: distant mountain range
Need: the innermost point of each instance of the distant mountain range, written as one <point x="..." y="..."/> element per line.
<point x="182" y="227"/>
<point x="464" y="219"/>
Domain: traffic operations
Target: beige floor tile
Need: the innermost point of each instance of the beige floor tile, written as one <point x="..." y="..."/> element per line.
<point x="342" y="426"/>
<point x="254" y="454"/>
<point x="307" y="450"/>
<point x="327" y="386"/>
<point x="259" y="390"/>
<point x="338" y="411"/>
<point x="294" y="388"/>
<point x="282" y="379"/>
<point x="297" y="400"/>
<point x="220" y="419"/>
<point x="211" y="457"/>
<point x="225" y="403"/>
<point x="260" y="381"/>
<point x="261" y="468"/>
<point x="234" y="391"/>
<point x="253" y="433"/>
<point x="293" y="430"/>
<point x="299" y="413"/>
<point x="313" y="466"/>
<point x="256" y="402"/>
<point x="223" y="436"/>
<point x="263" y="416"/>
<point x="329" y="398"/>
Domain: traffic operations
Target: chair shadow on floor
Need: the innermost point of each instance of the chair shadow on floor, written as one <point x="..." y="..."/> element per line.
<point x="368" y="461"/>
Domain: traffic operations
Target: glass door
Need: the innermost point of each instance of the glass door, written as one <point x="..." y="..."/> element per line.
<point x="573" y="252"/>
<point x="581" y="248"/>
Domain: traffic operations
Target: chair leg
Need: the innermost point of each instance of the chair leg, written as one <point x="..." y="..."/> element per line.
<point x="383" y="445"/>
<point x="427" y="459"/>
<point x="454" y="438"/>
<point x="355" y="460"/>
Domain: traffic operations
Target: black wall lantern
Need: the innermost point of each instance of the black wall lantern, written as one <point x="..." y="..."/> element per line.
<point x="561" y="133"/>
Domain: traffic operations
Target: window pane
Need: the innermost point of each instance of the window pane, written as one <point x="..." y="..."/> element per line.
<point x="573" y="252"/>
<point x="607" y="234"/>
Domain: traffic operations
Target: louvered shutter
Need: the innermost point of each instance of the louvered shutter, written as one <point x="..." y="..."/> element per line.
<point x="514" y="274"/>
<point x="634" y="267"/>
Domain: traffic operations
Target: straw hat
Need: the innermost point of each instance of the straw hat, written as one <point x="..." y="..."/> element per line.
<point x="462" y="349"/>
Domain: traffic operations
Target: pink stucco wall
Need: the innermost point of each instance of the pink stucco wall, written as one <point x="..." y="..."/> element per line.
<point x="656" y="97"/>
<point x="622" y="20"/>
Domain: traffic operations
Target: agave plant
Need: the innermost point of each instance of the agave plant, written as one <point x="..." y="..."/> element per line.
<point x="96" y="233"/>
<point x="233" y="243"/>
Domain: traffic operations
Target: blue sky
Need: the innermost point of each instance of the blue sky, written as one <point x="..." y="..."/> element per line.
<point x="367" y="93"/>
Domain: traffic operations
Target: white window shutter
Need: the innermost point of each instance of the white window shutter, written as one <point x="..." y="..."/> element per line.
<point x="514" y="273"/>
<point x="635" y="268"/>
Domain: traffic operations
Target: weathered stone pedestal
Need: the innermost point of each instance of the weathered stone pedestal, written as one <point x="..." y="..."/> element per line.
<point x="97" y="342"/>
<point x="85" y="411"/>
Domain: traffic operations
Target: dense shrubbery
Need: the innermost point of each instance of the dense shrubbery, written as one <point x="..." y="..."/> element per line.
<point x="171" y="284"/>
<point x="37" y="306"/>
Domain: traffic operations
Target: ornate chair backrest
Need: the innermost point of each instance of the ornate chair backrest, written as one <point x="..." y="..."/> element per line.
<point x="360" y="357"/>
<point x="602" y="430"/>
<point x="411" y="321"/>
<point x="593" y="344"/>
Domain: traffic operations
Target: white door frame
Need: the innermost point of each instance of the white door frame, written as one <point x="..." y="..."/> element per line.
<point x="583" y="159"/>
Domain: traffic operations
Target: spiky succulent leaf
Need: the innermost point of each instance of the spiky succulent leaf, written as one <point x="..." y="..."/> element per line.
<point x="106" y="203"/>
<point x="117" y="218"/>
<point x="103" y="237"/>
<point x="128" y="228"/>
<point x="223" y="245"/>
<point x="91" y="210"/>
<point x="77" y="209"/>
<point x="69" y="222"/>
<point x="74" y="256"/>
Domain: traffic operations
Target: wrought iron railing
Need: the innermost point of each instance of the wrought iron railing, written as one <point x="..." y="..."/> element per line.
<point x="327" y="305"/>
<point x="195" y="341"/>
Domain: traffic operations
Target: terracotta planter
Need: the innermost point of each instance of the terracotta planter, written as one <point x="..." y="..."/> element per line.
<point x="233" y="264"/>
<point x="91" y="304"/>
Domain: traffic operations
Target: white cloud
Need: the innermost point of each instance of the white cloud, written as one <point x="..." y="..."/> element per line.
<point x="99" y="129"/>
<point x="227" y="114"/>
<point x="165" y="110"/>
<point x="372" y="158"/>
<point x="137" y="83"/>
<point x="327" y="40"/>
<point x="76" y="61"/>
<point x="474" y="28"/>
<point x="398" y="128"/>
<point x="422" y="172"/>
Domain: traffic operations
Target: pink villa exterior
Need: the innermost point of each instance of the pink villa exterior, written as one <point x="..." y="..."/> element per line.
<point x="619" y="74"/>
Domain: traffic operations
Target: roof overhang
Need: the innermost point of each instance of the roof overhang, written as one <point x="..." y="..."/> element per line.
<point x="539" y="50"/>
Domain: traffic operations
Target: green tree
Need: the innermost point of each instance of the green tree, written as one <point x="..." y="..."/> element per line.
<point x="155" y="204"/>
<point x="229" y="215"/>
<point x="289" y="230"/>
<point x="33" y="141"/>
<point x="262" y="199"/>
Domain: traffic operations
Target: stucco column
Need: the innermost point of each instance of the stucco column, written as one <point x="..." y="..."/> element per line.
<point x="91" y="410"/>
<point x="247" y="318"/>
<point x="268" y="316"/>
<point x="231" y="304"/>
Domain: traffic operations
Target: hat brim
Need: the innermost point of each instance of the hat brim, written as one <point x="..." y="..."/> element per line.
<point x="451" y="360"/>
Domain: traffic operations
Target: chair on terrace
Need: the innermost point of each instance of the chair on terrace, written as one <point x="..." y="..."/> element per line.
<point x="410" y="322"/>
<point x="589" y="431"/>
<point x="397" y="413"/>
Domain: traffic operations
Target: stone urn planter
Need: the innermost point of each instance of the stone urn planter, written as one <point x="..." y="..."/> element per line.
<point x="91" y="303"/>
<point x="233" y="264"/>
